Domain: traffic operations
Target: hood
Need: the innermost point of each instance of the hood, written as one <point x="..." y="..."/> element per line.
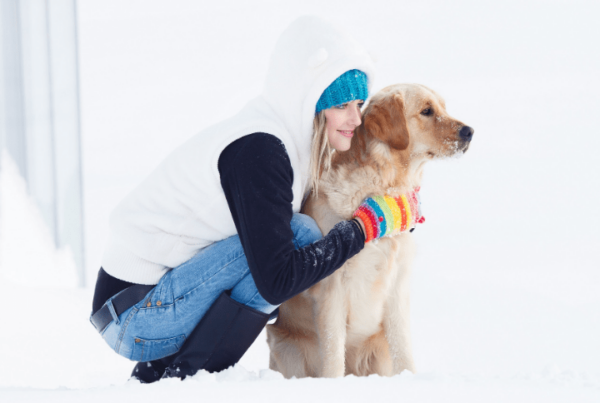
<point x="309" y="55"/>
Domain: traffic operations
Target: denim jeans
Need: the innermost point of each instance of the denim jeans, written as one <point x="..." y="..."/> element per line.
<point x="158" y="325"/>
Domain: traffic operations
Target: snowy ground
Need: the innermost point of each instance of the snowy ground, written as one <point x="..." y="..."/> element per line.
<point x="506" y="287"/>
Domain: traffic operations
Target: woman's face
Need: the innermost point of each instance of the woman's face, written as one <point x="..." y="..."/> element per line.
<point x="340" y="123"/>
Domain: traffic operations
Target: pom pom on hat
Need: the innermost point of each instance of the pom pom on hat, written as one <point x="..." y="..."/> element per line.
<point x="350" y="86"/>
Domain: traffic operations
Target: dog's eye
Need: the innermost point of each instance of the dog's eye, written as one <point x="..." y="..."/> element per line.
<point x="427" y="112"/>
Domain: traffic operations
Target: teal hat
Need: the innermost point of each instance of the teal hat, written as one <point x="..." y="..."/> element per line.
<point x="348" y="87"/>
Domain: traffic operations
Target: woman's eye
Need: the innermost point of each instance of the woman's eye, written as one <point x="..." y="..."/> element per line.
<point x="360" y="105"/>
<point x="427" y="112"/>
<point x="342" y="106"/>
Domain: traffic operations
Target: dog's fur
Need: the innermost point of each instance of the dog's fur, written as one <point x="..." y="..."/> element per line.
<point x="356" y="321"/>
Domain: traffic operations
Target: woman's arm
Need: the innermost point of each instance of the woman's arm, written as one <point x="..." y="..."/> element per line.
<point x="257" y="176"/>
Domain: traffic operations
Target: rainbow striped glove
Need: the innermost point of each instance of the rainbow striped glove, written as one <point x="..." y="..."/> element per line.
<point x="386" y="215"/>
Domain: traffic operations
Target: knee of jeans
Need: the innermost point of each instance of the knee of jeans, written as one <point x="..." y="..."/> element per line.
<point x="306" y="230"/>
<point x="260" y="304"/>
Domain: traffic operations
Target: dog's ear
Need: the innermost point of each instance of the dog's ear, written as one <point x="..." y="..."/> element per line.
<point x="385" y="120"/>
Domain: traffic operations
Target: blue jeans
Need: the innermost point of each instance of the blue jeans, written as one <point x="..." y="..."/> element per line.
<point x="158" y="325"/>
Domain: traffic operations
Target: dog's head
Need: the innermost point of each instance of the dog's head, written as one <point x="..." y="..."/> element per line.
<point x="411" y="119"/>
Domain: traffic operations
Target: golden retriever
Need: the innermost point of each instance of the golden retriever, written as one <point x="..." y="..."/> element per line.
<point x="357" y="320"/>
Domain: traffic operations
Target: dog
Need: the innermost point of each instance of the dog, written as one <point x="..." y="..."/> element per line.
<point x="357" y="321"/>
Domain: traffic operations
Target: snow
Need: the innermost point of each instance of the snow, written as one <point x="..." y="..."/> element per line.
<point x="506" y="285"/>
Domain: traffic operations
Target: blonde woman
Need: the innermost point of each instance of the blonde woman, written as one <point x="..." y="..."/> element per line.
<point x="205" y="249"/>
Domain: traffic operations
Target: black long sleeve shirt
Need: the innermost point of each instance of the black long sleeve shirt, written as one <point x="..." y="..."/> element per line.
<point x="257" y="177"/>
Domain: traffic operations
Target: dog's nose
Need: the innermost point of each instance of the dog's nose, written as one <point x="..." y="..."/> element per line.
<point x="466" y="133"/>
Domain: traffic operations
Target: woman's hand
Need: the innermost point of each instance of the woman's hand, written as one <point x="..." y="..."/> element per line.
<point x="385" y="215"/>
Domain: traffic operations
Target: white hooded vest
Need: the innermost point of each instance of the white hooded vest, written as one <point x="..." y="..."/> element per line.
<point x="181" y="208"/>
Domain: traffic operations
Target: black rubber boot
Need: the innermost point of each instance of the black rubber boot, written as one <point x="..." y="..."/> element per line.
<point x="221" y="338"/>
<point x="151" y="371"/>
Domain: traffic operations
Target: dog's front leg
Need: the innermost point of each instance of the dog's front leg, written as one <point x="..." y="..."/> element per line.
<point x="330" y="314"/>
<point x="397" y="319"/>
<point x="397" y="333"/>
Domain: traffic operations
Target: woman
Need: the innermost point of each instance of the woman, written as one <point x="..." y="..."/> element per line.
<point x="213" y="240"/>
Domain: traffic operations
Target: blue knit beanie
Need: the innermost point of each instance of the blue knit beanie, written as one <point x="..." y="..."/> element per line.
<point x="348" y="87"/>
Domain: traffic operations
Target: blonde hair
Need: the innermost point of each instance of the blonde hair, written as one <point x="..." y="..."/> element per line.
<point x="320" y="152"/>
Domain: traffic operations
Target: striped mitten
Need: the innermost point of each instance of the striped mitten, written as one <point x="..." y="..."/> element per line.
<point x="386" y="215"/>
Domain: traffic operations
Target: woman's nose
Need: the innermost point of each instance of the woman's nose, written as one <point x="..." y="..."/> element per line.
<point x="355" y="115"/>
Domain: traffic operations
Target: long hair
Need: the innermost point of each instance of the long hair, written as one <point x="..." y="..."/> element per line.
<point x="320" y="152"/>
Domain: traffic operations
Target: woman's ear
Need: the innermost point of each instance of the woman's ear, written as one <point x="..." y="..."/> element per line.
<point x="385" y="121"/>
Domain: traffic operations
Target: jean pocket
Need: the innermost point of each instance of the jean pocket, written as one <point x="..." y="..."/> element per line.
<point x="148" y="350"/>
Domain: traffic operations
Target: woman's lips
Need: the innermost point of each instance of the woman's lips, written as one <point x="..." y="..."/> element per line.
<point x="346" y="133"/>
